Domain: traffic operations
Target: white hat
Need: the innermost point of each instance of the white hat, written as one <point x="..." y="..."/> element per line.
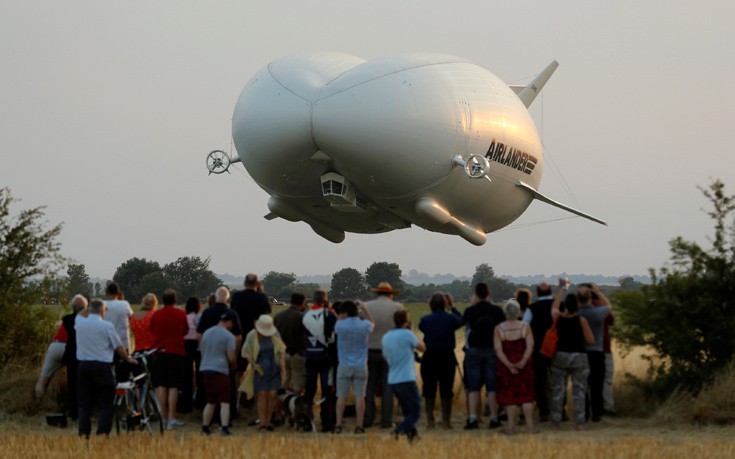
<point x="265" y="326"/>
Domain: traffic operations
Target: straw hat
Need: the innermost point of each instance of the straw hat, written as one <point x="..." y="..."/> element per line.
<point x="385" y="287"/>
<point x="265" y="326"/>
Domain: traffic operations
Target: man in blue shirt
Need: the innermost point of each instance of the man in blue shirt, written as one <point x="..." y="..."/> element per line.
<point x="398" y="346"/>
<point x="97" y="342"/>
<point x="352" y="349"/>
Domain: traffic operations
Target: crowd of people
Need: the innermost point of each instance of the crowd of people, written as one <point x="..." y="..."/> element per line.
<point x="353" y="351"/>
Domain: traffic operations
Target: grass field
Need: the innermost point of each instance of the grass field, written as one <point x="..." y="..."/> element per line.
<point x="683" y="427"/>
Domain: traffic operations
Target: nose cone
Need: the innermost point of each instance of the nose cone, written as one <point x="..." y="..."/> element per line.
<point x="271" y="123"/>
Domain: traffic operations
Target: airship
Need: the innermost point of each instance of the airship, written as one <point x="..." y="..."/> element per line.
<point x="348" y="145"/>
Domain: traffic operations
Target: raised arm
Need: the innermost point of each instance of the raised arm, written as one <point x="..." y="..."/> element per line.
<point x="602" y="298"/>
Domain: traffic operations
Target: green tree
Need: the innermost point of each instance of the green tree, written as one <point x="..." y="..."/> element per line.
<point x="382" y="271"/>
<point x="29" y="258"/>
<point x="347" y="283"/>
<point x="686" y="315"/>
<point x="279" y="285"/>
<point x="130" y="274"/>
<point x="483" y="273"/>
<point x="191" y="276"/>
<point x="78" y="280"/>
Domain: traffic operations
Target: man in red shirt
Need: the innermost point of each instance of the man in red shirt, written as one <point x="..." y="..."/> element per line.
<point x="169" y="326"/>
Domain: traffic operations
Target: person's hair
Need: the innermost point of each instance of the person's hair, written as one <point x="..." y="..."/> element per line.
<point x="211" y="300"/>
<point x="438" y="302"/>
<point x="400" y="318"/>
<point x="96" y="306"/>
<point x="511" y="310"/>
<point x="112" y="289"/>
<point x="251" y="280"/>
<point x="523" y="297"/>
<point x="543" y="289"/>
<point x="482" y="290"/>
<point x="320" y="296"/>
<point x="78" y="303"/>
<point x="298" y="298"/>
<point x="450" y="299"/>
<point x="583" y="295"/>
<point x="222" y="295"/>
<point x="570" y="303"/>
<point x="337" y="306"/>
<point x="193" y="305"/>
<point x="348" y="307"/>
<point x="169" y="297"/>
<point x="149" y="302"/>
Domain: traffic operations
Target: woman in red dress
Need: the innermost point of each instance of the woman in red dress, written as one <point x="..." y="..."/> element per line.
<point x="513" y="342"/>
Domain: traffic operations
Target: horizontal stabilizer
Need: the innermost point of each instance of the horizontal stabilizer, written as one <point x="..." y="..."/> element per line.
<point x="543" y="198"/>
<point x="529" y="93"/>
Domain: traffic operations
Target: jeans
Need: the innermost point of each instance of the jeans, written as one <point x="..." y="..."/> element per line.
<point x="321" y="370"/>
<point x="567" y="364"/>
<point x="541" y="383"/>
<point x="378" y="375"/>
<point x="480" y="369"/>
<point x="408" y="397"/>
<point x="607" y="392"/>
<point x="596" y="382"/>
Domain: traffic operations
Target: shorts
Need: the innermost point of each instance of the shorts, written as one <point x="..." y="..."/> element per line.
<point x="217" y="387"/>
<point x="168" y="370"/>
<point x="354" y="377"/>
<point x="52" y="360"/>
<point x="295" y="378"/>
<point x="479" y="369"/>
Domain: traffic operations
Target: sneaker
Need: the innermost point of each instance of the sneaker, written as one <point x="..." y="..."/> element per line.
<point x="494" y="424"/>
<point x="254" y="422"/>
<point x="225" y="431"/>
<point x="359" y="431"/>
<point x="206" y="430"/>
<point x="176" y="422"/>
<point x="337" y="429"/>
<point x="471" y="425"/>
<point x="170" y="425"/>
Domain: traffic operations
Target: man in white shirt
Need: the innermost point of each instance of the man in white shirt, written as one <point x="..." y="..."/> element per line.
<point x="97" y="343"/>
<point x="118" y="314"/>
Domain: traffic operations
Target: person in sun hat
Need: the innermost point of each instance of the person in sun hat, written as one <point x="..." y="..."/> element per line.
<point x="265" y="349"/>
<point x="382" y="310"/>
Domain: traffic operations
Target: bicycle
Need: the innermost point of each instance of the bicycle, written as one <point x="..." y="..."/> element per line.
<point x="136" y="405"/>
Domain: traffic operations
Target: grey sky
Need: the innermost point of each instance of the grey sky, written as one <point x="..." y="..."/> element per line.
<point x="109" y="108"/>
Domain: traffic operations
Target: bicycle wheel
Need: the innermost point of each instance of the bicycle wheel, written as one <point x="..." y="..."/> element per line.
<point x="120" y="413"/>
<point x="152" y="417"/>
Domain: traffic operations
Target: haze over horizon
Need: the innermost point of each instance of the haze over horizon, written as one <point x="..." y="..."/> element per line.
<point x="109" y="110"/>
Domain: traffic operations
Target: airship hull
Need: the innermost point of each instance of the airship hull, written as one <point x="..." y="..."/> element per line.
<point x="348" y="145"/>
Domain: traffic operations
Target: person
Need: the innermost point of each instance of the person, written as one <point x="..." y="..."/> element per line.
<point x="480" y="361"/>
<point x="97" y="342"/>
<point x="249" y="304"/>
<point x="140" y="323"/>
<point x="119" y="313"/>
<point x="523" y="297"/>
<point x="192" y="309"/>
<point x="352" y="335"/>
<point x="53" y="360"/>
<point x="78" y="304"/>
<point x="513" y="342"/>
<point x="439" y="363"/>
<point x="574" y="335"/>
<point x="607" y="392"/>
<point x="218" y="359"/>
<point x="265" y="350"/>
<point x="398" y="348"/>
<point x="319" y="341"/>
<point x="382" y="310"/>
<point x="210" y="317"/>
<point x="538" y="315"/>
<point x="596" y="317"/>
<point x="289" y="325"/>
<point x="169" y="326"/>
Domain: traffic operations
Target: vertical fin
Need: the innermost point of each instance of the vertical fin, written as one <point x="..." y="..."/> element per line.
<point x="529" y="93"/>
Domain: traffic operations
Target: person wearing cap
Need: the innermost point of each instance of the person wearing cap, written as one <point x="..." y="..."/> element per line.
<point x="382" y="310"/>
<point x="265" y="349"/>
<point x="217" y="348"/>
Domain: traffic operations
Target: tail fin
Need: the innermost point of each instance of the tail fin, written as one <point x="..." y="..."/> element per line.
<point x="529" y="92"/>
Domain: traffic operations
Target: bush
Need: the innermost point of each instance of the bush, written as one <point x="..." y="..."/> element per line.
<point x="686" y="317"/>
